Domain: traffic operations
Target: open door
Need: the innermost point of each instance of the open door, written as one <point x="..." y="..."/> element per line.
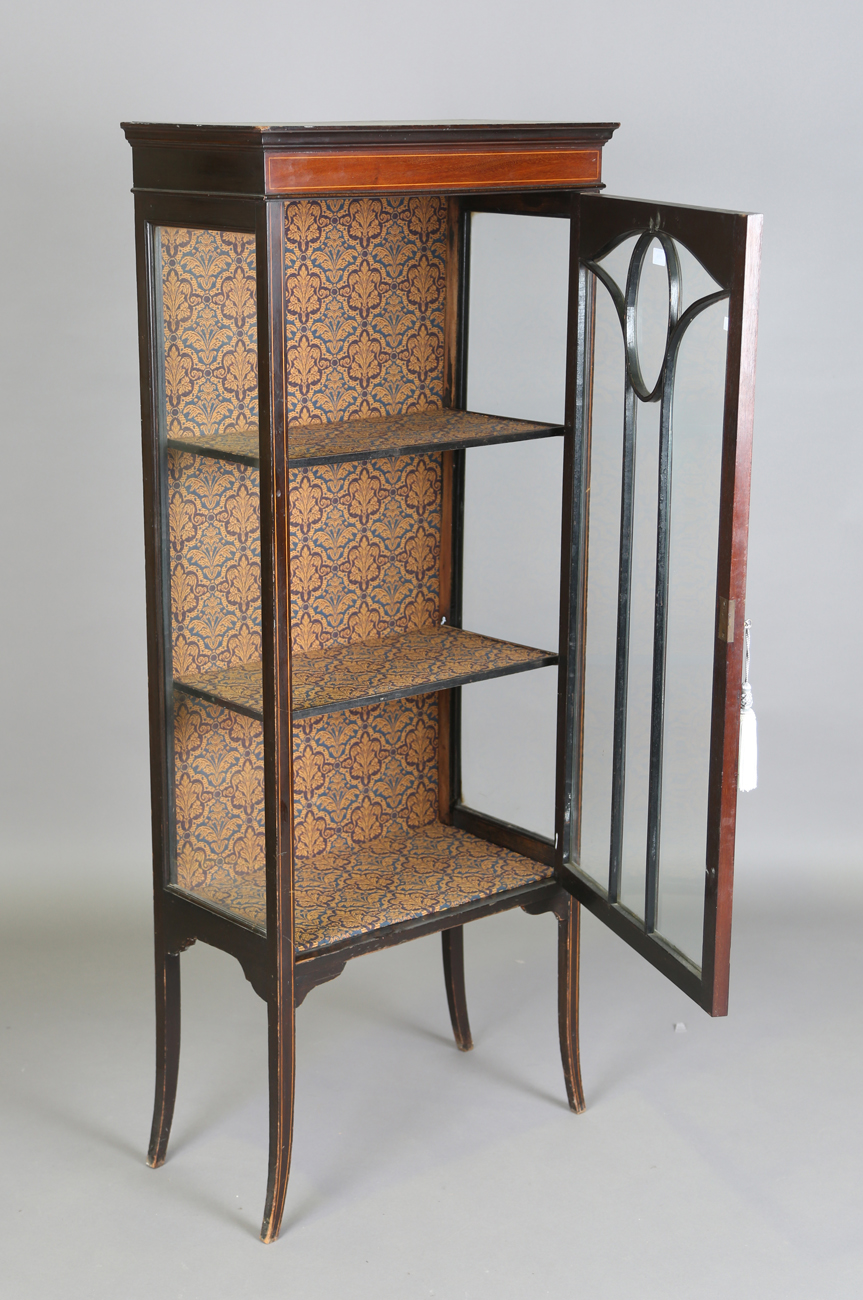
<point x="660" y="393"/>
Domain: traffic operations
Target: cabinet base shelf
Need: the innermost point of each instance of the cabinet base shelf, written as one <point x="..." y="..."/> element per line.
<point x="341" y="898"/>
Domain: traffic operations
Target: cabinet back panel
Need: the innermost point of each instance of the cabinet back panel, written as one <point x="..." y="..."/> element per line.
<point x="364" y="306"/>
<point x="365" y="303"/>
<point x="358" y="775"/>
<point x="219" y="794"/>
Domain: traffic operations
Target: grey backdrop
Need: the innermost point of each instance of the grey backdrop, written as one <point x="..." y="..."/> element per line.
<point x="726" y="106"/>
<point x="747" y="104"/>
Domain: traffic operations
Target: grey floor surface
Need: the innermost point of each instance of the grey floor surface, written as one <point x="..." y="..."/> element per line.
<point x="723" y="1161"/>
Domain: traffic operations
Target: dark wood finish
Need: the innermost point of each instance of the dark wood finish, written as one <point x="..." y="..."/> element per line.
<point x="167" y="1051"/>
<point x="167" y="968"/>
<point x="189" y="918"/>
<point x="728" y="663"/>
<point x="309" y="974"/>
<point x="541" y="203"/>
<point x="453" y="971"/>
<point x="484" y="827"/>
<point x="569" y="929"/>
<point x="276" y="644"/>
<point x="244" y="160"/>
<point x="452" y="473"/>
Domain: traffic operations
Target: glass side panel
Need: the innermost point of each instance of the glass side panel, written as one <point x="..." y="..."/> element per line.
<point x="602" y="559"/>
<point x="209" y="372"/>
<point x="519" y="267"/>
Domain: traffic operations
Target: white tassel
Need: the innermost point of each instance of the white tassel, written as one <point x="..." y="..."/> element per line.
<point x="747" y="763"/>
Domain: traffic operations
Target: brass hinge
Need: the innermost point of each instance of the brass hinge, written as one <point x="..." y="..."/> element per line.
<point x="726" y="619"/>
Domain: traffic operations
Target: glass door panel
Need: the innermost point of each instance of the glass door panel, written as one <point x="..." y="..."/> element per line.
<point x="661" y="386"/>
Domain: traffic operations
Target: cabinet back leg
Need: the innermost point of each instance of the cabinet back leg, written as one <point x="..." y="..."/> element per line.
<point x="167" y="1052"/>
<point x="281" y="1050"/>
<point x="453" y="972"/>
<point x="569" y="927"/>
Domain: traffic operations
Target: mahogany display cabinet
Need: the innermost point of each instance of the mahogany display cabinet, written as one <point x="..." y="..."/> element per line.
<point x="304" y="308"/>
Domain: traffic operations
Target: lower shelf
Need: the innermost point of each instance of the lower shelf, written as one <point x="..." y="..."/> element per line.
<point x="339" y="896"/>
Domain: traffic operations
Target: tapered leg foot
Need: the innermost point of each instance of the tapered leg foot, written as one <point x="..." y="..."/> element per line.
<point x="453" y="970"/>
<point x="569" y="924"/>
<point x="167" y="1053"/>
<point x="281" y="1045"/>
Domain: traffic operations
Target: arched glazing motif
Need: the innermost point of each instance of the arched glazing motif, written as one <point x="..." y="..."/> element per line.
<point x="638" y="390"/>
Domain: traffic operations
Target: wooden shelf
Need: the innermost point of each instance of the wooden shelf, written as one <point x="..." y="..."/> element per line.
<point x="399" y="435"/>
<point x="367" y="672"/>
<point x="389" y="881"/>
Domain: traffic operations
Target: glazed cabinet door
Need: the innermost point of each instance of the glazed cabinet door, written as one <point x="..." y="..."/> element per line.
<point x="660" y="391"/>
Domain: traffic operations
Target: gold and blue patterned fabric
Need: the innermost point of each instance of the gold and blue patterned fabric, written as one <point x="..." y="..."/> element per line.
<point x="365" y="671"/>
<point x="400" y="877"/>
<point x="364" y="304"/>
<point x="218" y="794"/>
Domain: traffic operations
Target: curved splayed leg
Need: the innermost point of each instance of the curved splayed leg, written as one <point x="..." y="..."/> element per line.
<point x="453" y="970"/>
<point x="280" y="1014"/>
<point x="569" y="919"/>
<point x="167" y="1052"/>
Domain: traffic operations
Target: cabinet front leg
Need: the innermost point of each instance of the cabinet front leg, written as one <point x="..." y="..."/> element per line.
<point x="167" y="1052"/>
<point x="281" y="1047"/>
<point x="453" y="971"/>
<point x="569" y="923"/>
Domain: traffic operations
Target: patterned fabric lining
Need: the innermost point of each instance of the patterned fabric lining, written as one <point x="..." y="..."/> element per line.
<point x="365" y="670"/>
<point x="364" y="307"/>
<point x="367" y="439"/>
<point x="401" y="877"/>
<point x="358" y="775"/>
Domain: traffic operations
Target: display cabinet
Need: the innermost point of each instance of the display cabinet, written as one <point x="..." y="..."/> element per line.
<point x="303" y="316"/>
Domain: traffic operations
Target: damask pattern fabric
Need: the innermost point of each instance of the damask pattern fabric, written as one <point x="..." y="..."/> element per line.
<point x="213" y="510"/>
<point x="219" y="794"/>
<point x="364" y="306"/>
<point x="365" y="550"/>
<point x="210" y="331"/>
<point x="364" y="773"/>
<point x="432" y="657"/>
<point x="401" y="877"/>
<point x="364" y="286"/>
<point x="392" y="435"/>
<point x="358" y="775"/>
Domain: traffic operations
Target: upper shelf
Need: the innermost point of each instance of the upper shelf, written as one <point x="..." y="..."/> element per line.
<point x="395" y="435"/>
<point x="367" y="672"/>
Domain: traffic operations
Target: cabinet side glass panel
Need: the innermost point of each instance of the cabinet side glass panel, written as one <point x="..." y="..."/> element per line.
<point x="209" y="368"/>
<point x="512" y="500"/>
